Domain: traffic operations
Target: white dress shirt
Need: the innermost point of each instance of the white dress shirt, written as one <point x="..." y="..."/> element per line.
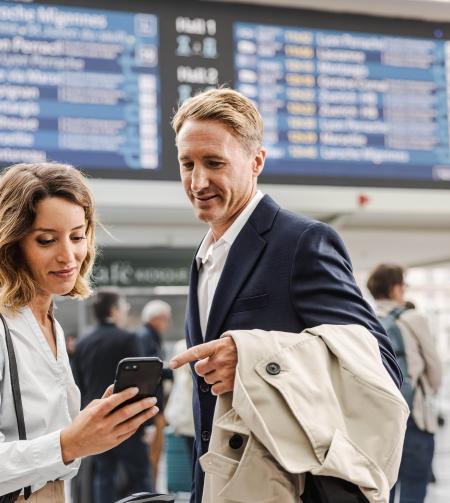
<point x="211" y="258"/>
<point x="50" y="400"/>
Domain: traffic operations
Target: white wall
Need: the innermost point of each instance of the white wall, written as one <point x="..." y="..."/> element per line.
<point x="407" y="226"/>
<point x="430" y="10"/>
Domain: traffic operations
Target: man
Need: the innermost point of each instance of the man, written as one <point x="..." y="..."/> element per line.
<point x="258" y="266"/>
<point x="424" y="374"/>
<point x="156" y="319"/>
<point x="95" y="361"/>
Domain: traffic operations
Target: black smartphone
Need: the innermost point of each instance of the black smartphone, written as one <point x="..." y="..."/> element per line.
<point x="142" y="372"/>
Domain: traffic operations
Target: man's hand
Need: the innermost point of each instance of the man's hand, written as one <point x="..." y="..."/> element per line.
<point x="216" y="363"/>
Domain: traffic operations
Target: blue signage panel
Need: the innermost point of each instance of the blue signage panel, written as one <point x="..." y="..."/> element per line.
<point x="347" y="104"/>
<point x="346" y="99"/>
<point x="79" y="86"/>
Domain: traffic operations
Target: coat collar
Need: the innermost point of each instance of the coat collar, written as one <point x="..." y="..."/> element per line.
<point x="241" y="260"/>
<point x="193" y="328"/>
<point x="242" y="257"/>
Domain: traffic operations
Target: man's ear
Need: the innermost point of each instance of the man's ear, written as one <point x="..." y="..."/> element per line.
<point x="258" y="161"/>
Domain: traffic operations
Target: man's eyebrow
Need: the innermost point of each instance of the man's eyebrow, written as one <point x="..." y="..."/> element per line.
<point x="46" y="229"/>
<point x="206" y="156"/>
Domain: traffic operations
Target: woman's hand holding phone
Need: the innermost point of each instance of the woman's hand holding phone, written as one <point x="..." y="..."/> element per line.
<point x="103" y="424"/>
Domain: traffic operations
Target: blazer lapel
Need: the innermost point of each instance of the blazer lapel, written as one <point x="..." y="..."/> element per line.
<point x="194" y="330"/>
<point x="241" y="260"/>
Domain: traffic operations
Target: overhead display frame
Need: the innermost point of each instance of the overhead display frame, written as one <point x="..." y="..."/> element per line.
<point x="346" y="100"/>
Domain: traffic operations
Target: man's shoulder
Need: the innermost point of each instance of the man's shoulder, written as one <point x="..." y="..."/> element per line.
<point x="414" y="318"/>
<point x="145" y="332"/>
<point x="87" y="339"/>
<point x="298" y="221"/>
<point x="109" y="332"/>
<point x="284" y="220"/>
<point x="292" y="224"/>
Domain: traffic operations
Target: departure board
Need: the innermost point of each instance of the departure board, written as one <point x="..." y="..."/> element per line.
<point x="345" y="99"/>
<point x="353" y="104"/>
<point x="79" y="86"/>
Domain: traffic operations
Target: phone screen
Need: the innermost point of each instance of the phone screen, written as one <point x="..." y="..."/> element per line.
<point x="144" y="373"/>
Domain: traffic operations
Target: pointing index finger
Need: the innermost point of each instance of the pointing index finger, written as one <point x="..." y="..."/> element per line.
<point x="193" y="354"/>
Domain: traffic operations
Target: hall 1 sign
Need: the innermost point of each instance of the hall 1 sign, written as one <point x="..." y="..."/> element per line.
<point x="145" y="267"/>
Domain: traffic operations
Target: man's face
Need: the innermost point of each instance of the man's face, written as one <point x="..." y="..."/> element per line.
<point x="119" y="313"/>
<point x="218" y="174"/>
<point x="161" y="323"/>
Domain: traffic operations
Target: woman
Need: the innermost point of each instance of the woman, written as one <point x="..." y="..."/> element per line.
<point x="47" y="225"/>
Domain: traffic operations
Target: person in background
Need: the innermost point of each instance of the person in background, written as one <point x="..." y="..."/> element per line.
<point x="386" y="284"/>
<point x="95" y="362"/>
<point x="156" y="319"/>
<point x="178" y="410"/>
<point x="47" y="227"/>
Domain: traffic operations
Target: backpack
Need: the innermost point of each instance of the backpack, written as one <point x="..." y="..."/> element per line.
<point x="390" y="324"/>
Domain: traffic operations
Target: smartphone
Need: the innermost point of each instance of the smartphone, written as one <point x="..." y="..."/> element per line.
<point x="142" y="372"/>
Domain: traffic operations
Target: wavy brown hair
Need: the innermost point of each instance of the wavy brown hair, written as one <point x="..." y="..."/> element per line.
<point x="22" y="186"/>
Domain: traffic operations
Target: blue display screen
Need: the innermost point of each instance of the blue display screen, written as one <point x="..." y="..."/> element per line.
<point x="345" y="99"/>
<point x="79" y="86"/>
<point x="343" y="104"/>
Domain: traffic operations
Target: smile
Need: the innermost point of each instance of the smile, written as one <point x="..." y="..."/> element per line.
<point x="204" y="199"/>
<point x="64" y="273"/>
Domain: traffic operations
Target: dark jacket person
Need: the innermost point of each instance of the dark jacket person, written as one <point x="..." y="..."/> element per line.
<point x="95" y="361"/>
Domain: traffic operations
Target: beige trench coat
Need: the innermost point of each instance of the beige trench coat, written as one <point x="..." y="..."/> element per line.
<point x="320" y="401"/>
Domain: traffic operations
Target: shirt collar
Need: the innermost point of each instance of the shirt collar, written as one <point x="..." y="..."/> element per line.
<point x="230" y="234"/>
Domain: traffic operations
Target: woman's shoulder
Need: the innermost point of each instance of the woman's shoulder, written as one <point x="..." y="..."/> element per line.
<point x="14" y="317"/>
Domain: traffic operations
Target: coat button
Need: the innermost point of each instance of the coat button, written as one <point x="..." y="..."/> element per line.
<point x="236" y="441"/>
<point x="273" y="368"/>
<point x="204" y="388"/>
<point x="206" y="435"/>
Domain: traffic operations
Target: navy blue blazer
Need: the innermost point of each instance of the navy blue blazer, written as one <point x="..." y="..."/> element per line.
<point x="286" y="273"/>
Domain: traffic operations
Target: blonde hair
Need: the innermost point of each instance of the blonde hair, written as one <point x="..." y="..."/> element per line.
<point x="229" y="107"/>
<point x="21" y="188"/>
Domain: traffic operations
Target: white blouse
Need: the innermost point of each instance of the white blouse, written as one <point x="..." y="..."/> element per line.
<point x="50" y="400"/>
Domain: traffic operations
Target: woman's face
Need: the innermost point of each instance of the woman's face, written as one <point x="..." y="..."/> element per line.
<point x="56" y="245"/>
